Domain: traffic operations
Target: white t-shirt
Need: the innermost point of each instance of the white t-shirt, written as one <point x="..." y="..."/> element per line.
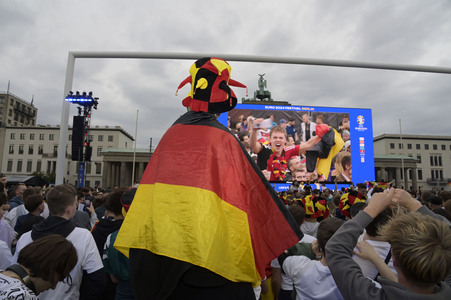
<point x="7" y="233"/>
<point x="312" y="280"/>
<point x="285" y="281"/>
<point x="12" y="288"/>
<point x="20" y="210"/>
<point x="88" y="260"/>
<point x="6" y="257"/>
<point x="368" y="268"/>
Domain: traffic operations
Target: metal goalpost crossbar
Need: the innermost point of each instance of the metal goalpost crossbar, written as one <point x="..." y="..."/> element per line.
<point x="194" y="56"/>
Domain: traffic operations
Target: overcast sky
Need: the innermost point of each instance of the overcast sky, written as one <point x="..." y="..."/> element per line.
<point x="36" y="37"/>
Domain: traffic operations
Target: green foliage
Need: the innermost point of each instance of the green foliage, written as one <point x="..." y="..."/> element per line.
<point x="49" y="177"/>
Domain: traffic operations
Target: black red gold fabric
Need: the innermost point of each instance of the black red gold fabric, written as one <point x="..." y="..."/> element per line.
<point x="210" y="91"/>
<point x="348" y="199"/>
<point x="315" y="207"/>
<point x="202" y="200"/>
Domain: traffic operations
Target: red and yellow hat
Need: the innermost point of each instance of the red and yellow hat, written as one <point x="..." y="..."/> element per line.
<point x="315" y="207"/>
<point x="348" y="200"/>
<point x="210" y="91"/>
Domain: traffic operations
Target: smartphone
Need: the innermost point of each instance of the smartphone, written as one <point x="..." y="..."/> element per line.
<point x="87" y="203"/>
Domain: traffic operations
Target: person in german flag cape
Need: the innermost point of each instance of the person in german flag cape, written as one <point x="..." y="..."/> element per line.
<point x="204" y="222"/>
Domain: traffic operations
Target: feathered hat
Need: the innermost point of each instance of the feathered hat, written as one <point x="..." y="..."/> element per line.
<point x="210" y="86"/>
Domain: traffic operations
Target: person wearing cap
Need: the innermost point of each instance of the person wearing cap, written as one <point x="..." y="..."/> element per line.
<point x="348" y="199"/>
<point x="283" y="123"/>
<point x="435" y="202"/>
<point x="204" y="222"/>
<point x="315" y="207"/>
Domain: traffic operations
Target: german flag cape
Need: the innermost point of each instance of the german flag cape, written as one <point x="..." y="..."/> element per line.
<point x="202" y="200"/>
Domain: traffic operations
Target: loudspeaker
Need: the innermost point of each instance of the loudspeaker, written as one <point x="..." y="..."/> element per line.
<point x="88" y="153"/>
<point x="78" y="130"/>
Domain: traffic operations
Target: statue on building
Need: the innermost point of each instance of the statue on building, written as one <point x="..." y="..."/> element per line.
<point x="262" y="94"/>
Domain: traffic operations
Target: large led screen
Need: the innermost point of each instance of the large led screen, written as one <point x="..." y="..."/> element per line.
<point x="352" y="123"/>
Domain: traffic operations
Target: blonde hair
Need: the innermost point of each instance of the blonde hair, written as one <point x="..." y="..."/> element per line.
<point x="421" y="245"/>
<point x="338" y="166"/>
<point x="280" y="129"/>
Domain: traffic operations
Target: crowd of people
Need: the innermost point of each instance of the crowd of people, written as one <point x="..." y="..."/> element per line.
<point x="216" y="233"/>
<point x="74" y="230"/>
<point x="283" y="149"/>
<point x="90" y="220"/>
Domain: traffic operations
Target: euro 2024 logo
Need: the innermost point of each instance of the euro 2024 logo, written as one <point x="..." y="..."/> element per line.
<point x="360" y="120"/>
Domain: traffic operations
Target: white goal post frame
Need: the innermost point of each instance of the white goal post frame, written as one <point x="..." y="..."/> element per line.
<point x="59" y="179"/>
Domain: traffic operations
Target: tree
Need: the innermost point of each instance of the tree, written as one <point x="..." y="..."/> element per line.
<point x="49" y="177"/>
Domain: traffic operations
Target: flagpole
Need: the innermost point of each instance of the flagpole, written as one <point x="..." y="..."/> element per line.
<point x="402" y="156"/>
<point x="134" y="149"/>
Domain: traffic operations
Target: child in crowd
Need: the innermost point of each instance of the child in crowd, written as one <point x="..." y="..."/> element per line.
<point x="312" y="278"/>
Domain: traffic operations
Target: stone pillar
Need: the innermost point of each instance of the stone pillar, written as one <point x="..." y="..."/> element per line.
<point x="406" y="180"/>
<point x="116" y="174"/>
<point x="140" y="171"/>
<point x="414" y="179"/>
<point x="389" y="174"/>
<point x="122" y="180"/>
<point x="382" y="177"/>
<point x="110" y="174"/>
<point x="398" y="178"/>
<point x="113" y="175"/>
<point x="105" y="173"/>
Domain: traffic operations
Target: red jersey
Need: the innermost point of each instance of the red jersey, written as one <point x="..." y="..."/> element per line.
<point x="278" y="165"/>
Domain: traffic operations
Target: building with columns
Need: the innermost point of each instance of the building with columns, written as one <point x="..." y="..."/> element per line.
<point x="413" y="161"/>
<point x="118" y="166"/>
<point x="34" y="149"/>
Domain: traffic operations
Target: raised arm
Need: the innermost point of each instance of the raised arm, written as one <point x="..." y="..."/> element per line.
<point x="256" y="146"/>
<point x="339" y="250"/>
<point x="309" y="144"/>
<point x="366" y="251"/>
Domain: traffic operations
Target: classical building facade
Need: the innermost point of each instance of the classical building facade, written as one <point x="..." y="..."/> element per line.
<point x="425" y="159"/>
<point x="118" y="166"/>
<point x="34" y="149"/>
